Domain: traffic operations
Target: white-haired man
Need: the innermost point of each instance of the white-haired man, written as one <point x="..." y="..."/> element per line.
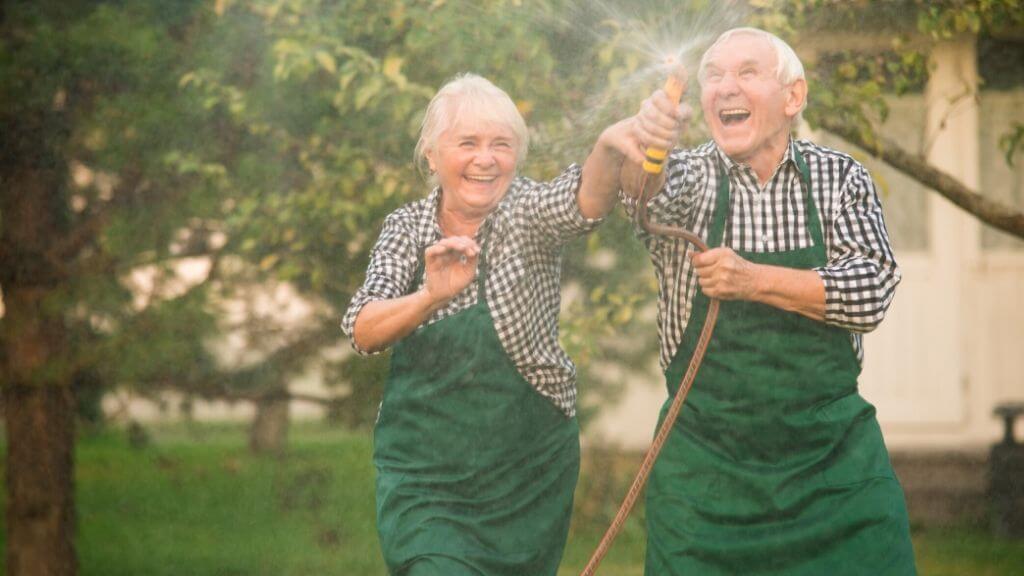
<point x="776" y="464"/>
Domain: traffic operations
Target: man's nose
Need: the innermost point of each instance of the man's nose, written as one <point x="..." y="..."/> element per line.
<point x="728" y="85"/>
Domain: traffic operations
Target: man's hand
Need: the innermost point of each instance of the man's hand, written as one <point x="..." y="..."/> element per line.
<point x="659" y="124"/>
<point x="723" y="274"/>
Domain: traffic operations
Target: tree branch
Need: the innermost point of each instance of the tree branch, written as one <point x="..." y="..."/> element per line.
<point x="991" y="212"/>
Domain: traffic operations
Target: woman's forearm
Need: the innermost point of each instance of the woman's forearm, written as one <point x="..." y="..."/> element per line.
<point x="600" y="180"/>
<point x="383" y="322"/>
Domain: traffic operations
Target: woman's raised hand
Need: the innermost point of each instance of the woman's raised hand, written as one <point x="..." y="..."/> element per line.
<point x="450" y="266"/>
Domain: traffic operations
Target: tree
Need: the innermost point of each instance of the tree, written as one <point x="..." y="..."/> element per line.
<point x="82" y="84"/>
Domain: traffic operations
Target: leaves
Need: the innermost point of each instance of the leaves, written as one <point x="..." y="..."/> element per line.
<point x="1012" y="143"/>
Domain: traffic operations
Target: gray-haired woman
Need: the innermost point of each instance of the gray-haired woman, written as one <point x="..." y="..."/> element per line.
<point x="476" y="444"/>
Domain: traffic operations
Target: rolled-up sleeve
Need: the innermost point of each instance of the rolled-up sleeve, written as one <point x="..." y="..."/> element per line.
<point x="391" y="270"/>
<point x="861" y="274"/>
<point x="555" y="209"/>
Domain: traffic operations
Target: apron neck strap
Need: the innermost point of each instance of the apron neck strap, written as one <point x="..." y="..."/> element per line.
<point x="481" y="272"/>
<point x="813" y="218"/>
<point x="717" y="231"/>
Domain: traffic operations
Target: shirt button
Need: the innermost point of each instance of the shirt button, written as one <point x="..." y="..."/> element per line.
<point x="764" y="239"/>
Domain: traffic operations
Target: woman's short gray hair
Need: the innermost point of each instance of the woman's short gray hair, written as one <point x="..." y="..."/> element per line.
<point x="468" y="96"/>
<point x="788" y="68"/>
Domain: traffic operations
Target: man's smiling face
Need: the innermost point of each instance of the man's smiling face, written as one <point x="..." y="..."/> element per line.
<point x="747" y="109"/>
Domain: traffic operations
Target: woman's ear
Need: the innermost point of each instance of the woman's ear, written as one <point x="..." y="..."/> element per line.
<point x="429" y="154"/>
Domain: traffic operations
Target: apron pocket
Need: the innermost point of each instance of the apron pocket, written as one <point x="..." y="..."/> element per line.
<point x="858" y="452"/>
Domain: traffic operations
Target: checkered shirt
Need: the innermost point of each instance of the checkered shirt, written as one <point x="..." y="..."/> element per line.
<point x="523" y="238"/>
<point x="860" y="275"/>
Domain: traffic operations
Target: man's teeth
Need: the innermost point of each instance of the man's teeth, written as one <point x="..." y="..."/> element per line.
<point x="733" y="115"/>
<point x="481" y="178"/>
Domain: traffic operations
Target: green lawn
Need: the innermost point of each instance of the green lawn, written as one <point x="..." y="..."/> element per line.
<point x="196" y="502"/>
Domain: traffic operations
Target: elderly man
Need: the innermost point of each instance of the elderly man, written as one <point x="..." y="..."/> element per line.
<point x="776" y="464"/>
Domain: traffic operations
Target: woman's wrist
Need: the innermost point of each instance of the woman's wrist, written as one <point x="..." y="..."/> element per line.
<point x="431" y="303"/>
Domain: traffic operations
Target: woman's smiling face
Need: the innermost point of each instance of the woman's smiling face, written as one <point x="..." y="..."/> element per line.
<point x="747" y="109"/>
<point x="475" y="163"/>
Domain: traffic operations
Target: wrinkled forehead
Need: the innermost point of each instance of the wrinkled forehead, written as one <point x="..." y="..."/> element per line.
<point x="740" y="49"/>
<point x="473" y="115"/>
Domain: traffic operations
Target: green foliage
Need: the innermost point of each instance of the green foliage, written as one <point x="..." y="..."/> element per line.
<point x="1012" y="142"/>
<point x="851" y="85"/>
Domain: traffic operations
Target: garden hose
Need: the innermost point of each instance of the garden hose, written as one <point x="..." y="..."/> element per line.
<point x="653" y="164"/>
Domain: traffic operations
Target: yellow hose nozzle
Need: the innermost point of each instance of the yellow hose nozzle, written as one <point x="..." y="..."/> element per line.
<point x="655" y="157"/>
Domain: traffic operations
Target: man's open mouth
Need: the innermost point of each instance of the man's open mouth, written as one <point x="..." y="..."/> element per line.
<point x="481" y="178"/>
<point x="733" y="116"/>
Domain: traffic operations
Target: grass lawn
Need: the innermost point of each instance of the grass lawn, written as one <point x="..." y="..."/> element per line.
<point x="195" y="502"/>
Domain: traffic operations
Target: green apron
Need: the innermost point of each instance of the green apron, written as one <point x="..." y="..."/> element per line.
<point x="475" y="468"/>
<point x="776" y="464"/>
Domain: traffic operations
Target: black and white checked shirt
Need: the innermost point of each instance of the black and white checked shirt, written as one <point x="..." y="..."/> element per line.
<point x="860" y="276"/>
<point x="524" y="237"/>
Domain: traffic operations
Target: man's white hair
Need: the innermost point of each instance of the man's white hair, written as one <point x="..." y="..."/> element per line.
<point x="475" y="99"/>
<point x="788" y="67"/>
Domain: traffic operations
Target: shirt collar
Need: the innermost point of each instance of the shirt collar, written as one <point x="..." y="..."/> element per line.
<point x="787" y="157"/>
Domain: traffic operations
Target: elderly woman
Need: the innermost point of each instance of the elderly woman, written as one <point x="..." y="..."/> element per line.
<point x="476" y="443"/>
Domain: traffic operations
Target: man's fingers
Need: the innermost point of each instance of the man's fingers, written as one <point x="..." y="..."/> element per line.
<point x="685" y="112"/>
<point x="664" y="104"/>
<point x="657" y="122"/>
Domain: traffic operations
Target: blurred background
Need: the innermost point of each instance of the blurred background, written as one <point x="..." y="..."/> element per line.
<point x="189" y="190"/>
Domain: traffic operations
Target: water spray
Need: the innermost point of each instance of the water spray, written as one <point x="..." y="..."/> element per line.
<point x="653" y="165"/>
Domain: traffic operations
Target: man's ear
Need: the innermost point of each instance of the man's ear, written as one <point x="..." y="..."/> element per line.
<point x="796" y="95"/>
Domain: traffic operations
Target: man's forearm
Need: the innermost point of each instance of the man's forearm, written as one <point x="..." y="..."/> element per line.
<point x="800" y="291"/>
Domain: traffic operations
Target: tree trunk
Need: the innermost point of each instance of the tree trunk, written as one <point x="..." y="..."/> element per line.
<point x="36" y="372"/>
<point x="40" y="485"/>
<point x="269" y="432"/>
<point x="40" y="424"/>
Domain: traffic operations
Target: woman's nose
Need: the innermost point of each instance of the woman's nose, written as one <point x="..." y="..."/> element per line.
<point x="484" y="157"/>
